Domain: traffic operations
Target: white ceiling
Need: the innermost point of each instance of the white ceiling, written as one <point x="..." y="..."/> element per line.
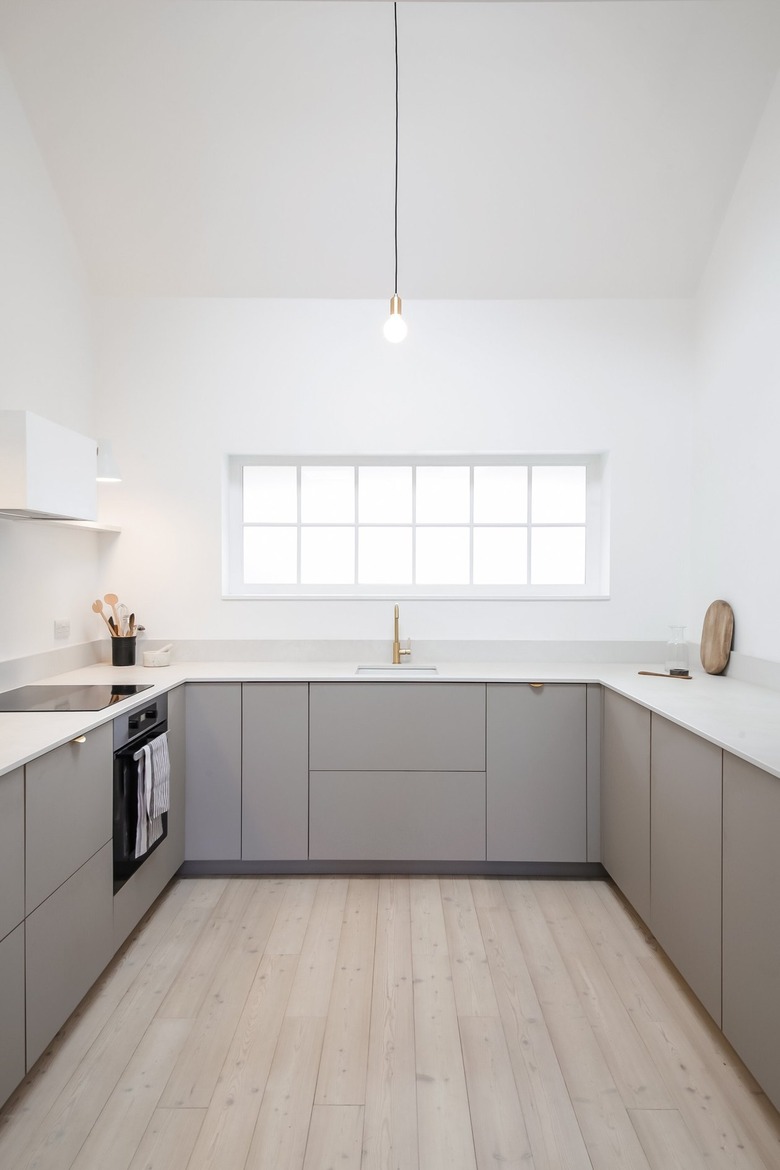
<point x="579" y="148"/>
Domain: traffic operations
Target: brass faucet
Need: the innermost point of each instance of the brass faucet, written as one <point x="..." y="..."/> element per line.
<point x="397" y="651"/>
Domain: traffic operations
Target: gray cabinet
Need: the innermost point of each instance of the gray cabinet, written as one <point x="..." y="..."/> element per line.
<point x="213" y="765"/>
<point x="424" y="727"/>
<point x="685" y="865"/>
<point x="12" y="1063"/>
<point x="625" y="799"/>
<point x="397" y="771"/>
<point x="751" y="919"/>
<point x="68" y="804"/>
<point x="398" y="816"/>
<point x="69" y="940"/>
<point x="138" y="893"/>
<point x="11" y="851"/>
<point x="275" y="772"/>
<point x="536" y="772"/>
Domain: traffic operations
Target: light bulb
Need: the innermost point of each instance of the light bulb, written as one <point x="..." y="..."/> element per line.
<point x="395" y="328"/>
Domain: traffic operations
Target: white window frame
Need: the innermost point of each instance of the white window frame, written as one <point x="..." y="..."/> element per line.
<point x="595" y="587"/>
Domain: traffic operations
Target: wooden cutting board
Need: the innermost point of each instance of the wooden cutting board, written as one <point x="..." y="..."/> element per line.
<point x="716" y="636"/>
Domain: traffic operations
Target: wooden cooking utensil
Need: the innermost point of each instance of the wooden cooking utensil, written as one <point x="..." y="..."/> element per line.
<point x="97" y="607"/>
<point x="716" y="637"/>
<point x="112" y="600"/>
<point x="660" y="674"/>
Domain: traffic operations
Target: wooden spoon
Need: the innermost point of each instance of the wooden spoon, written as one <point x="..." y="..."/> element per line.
<point x="112" y="600"/>
<point x="97" y="607"/>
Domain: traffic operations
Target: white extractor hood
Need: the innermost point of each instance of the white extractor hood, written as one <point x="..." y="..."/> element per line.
<point x="46" y="471"/>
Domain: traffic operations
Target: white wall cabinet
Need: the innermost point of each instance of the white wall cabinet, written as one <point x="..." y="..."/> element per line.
<point x="275" y="772"/>
<point x="213" y="765"/>
<point x="625" y="799"/>
<point x="751" y="919"/>
<point x="537" y="772"/>
<point x="46" y="470"/>
<point x="685" y="866"/>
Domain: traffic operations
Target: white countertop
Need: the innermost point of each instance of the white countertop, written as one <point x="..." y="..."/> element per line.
<point x="741" y="718"/>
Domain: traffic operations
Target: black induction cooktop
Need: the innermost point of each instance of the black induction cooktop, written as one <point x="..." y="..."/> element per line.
<point x="72" y="697"/>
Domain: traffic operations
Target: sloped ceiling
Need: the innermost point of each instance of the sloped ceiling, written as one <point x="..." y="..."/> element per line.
<point x="557" y="148"/>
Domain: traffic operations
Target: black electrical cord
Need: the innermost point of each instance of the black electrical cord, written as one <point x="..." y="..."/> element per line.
<point x="395" y="22"/>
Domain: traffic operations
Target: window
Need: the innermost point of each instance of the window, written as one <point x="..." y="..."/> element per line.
<point x="426" y="526"/>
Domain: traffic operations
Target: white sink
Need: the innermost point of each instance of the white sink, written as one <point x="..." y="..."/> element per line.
<point x="402" y="670"/>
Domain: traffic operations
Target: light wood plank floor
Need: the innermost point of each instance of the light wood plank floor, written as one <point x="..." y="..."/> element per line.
<point x="389" y="1023"/>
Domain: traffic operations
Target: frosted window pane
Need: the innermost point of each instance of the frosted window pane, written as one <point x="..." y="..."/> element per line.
<point x="270" y="495"/>
<point x="500" y="495"/>
<point x="442" y="556"/>
<point x="500" y="556"/>
<point x="327" y="556"/>
<point x="270" y="556"/>
<point x="327" y="495"/>
<point x="558" y="556"/>
<point x="385" y="556"/>
<point x="443" y="495"/>
<point x="558" y="495"/>
<point x="385" y="495"/>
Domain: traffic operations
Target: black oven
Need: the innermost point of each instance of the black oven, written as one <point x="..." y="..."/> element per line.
<point x="132" y="732"/>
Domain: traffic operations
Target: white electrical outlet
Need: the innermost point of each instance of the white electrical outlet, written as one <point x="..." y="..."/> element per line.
<point x="61" y="628"/>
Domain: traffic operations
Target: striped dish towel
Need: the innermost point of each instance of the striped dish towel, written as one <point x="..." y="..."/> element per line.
<point x="154" y="789"/>
<point x="161" y="775"/>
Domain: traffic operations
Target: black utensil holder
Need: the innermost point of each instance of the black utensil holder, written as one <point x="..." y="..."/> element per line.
<point x="123" y="651"/>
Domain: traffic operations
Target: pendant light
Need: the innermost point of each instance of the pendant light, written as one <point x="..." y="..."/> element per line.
<point x="395" y="326"/>
<point x="107" y="470"/>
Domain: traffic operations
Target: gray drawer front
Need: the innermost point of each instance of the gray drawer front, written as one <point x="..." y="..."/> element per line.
<point x="11" y="1012"/>
<point x="69" y="796"/>
<point x="401" y="726"/>
<point x="69" y="940"/>
<point x="11" y="851"/>
<point x="397" y="816"/>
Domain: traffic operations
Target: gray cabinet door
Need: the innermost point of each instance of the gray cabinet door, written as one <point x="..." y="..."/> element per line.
<point x="12" y="1066"/>
<point x="685" y="856"/>
<point x="751" y="919"/>
<point x="403" y="726"/>
<point x="536" y="772"/>
<point x="177" y="751"/>
<point x="69" y="813"/>
<point x="397" y="816"/>
<point x="275" y="772"/>
<point x="213" y="762"/>
<point x="625" y="799"/>
<point x="69" y="940"/>
<point x="11" y="851"/>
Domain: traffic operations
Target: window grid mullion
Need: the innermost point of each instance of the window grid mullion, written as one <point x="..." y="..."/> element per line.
<point x="471" y="524"/>
<point x="299" y="533"/>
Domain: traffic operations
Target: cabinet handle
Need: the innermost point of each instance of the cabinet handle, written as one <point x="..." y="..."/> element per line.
<point x="80" y="739"/>
<point x="537" y="686"/>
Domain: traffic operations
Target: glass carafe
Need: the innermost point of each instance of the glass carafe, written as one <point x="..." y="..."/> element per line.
<point x="676" y="651"/>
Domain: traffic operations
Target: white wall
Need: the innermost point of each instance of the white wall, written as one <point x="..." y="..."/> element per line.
<point x="737" y="486"/>
<point x="183" y="382"/>
<point x="45" y="367"/>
